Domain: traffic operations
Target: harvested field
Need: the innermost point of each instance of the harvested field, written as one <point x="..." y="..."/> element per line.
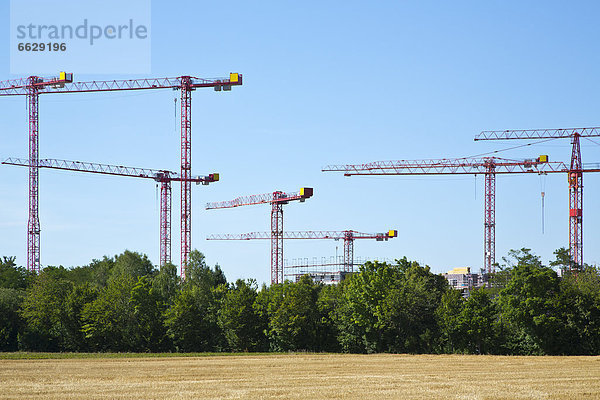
<point x="304" y="376"/>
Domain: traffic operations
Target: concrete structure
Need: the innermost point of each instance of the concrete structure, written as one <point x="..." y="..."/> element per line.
<point x="462" y="279"/>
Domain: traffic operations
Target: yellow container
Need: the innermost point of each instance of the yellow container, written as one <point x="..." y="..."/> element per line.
<point x="65" y="76"/>
<point x="306" y="192"/>
<point x="234" y="77"/>
<point x="393" y="233"/>
<point x="543" y="158"/>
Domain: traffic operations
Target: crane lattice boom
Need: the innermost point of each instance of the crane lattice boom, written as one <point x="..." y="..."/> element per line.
<point x="265" y="198"/>
<point x="336" y="235"/>
<point x="107" y="169"/>
<point x="449" y="166"/>
<point x="538" y="133"/>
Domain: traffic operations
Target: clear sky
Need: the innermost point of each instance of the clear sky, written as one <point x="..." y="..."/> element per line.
<point x="324" y="83"/>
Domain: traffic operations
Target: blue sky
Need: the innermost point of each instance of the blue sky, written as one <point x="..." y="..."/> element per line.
<point x="324" y="83"/>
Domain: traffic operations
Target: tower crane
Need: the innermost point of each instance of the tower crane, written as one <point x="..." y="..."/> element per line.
<point x="277" y="200"/>
<point x="348" y="236"/>
<point x="33" y="86"/>
<point x="575" y="176"/>
<point x="489" y="166"/>
<point x="164" y="177"/>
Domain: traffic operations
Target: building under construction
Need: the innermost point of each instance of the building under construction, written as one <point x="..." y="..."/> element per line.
<point x="462" y="279"/>
<point x="328" y="271"/>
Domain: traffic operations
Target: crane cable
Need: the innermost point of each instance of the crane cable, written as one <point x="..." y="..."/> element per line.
<point x="175" y="111"/>
<point x="596" y="143"/>
<point x="156" y="205"/>
<point x="543" y="195"/>
<point x="511" y="148"/>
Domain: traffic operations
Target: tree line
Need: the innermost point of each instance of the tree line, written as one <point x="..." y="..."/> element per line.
<point x="124" y="304"/>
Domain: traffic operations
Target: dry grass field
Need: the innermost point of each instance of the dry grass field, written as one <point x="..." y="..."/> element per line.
<point x="310" y="376"/>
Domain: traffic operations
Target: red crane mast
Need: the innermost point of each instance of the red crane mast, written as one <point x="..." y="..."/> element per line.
<point x="489" y="166"/>
<point x="164" y="177"/>
<point x="277" y="200"/>
<point x="348" y="236"/>
<point x="575" y="176"/>
<point x="33" y="86"/>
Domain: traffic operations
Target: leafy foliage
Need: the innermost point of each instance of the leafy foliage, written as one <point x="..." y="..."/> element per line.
<point x="390" y="308"/>
<point x="200" y="274"/>
<point x="45" y="314"/>
<point x="192" y="320"/>
<point x="292" y="315"/>
<point x="12" y="276"/>
<point x="166" y="283"/>
<point x="11" y="322"/>
<point x="123" y="304"/>
<point x="131" y="264"/>
<point x="242" y="326"/>
<point x="478" y="323"/>
<point x="448" y="315"/>
<point x="530" y="303"/>
<point x="109" y="322"/>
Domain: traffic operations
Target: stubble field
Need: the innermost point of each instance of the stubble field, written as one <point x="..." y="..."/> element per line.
<point x="303" y="376"/>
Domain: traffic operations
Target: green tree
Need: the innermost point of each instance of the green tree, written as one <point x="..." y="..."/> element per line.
<point x="131" y="264"/>
<point x="499" y="280"/>
<point x="360" y="315"/>
<point x="238" y="319"/>
<point x="109" y="322"/>
<point x="391" y="308"/>
<point x="80" y="275"/>
<point x="524" y="256"/>
<point x="166" y="283"/>
<point x="563" y="259"/>
<point x="101" y="271"/>
<point x="13" y="277"/>
<point x="530" y="302"/>
<point x="45" y="314"/>
<point x="199" y="273"/>
<point x="408" y="317"/>
<point x="11" y="323"/>
<point x="580" y="301"/>
<point x="192" y="319"/>
<point x="76" y="300"/>
<point x="478" y="323"/>
<point x="127" y="315"/>
<point x="448" y="315"/>
<point x="148" y="308"/>
<point x="261" y="309"/>
<point x="292" y="315"/>
<point x="76" y="276"/>
<point x="327" y="327"/>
